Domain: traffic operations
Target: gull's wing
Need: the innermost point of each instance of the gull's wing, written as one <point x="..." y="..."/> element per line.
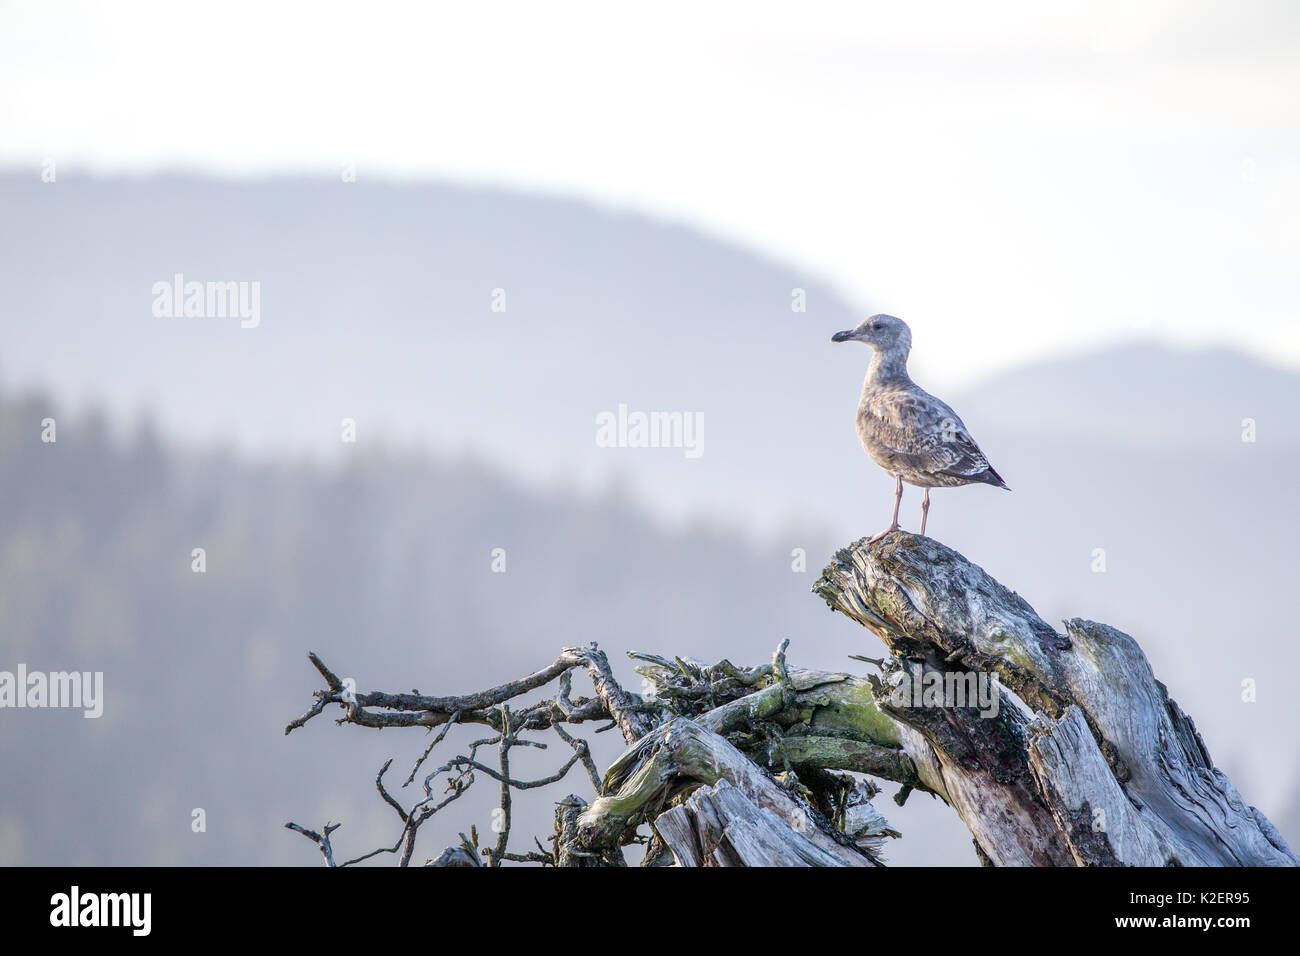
<point x="924" y="432"/>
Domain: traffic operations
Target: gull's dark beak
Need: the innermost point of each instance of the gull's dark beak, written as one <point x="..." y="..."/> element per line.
<point x="843" y="336"/>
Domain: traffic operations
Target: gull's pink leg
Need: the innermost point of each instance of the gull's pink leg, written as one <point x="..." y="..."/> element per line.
<point x="925" y="508"/>
<point x="898" y="500"/>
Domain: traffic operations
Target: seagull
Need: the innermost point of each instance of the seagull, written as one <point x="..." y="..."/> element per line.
<point x="907" y="431"/>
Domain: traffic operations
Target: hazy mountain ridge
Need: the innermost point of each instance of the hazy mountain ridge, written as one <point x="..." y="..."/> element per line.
<point x="1146" y="393"/>
<point x="377" y="305"/>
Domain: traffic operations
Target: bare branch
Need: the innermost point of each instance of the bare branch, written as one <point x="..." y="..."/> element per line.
<point x="322" y="840"/>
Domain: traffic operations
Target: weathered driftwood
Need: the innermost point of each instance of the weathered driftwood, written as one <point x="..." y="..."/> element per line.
<point x="719" y="826"/>
<point x="1055" y="749"/>
<point x="455" y="856"/>
<point x="1086" y="762"/>
<point x="768" y="710"/>
<point x="680" y="756"/>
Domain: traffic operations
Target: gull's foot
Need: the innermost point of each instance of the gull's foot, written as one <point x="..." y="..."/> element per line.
<point x="892" y="527"/>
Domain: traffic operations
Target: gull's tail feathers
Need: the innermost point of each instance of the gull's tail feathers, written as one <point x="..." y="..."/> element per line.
<point x="991" y="477"/>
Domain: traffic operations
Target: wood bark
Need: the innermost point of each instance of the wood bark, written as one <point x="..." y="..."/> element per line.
<point x="773" y="825"/>
<point x="1088" y="760"/>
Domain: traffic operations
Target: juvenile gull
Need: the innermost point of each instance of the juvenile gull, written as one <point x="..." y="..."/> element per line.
<point x="906" y="430"/>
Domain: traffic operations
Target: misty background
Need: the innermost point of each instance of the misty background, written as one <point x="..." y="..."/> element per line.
<point x="377" y="306"/>
<point x="1088" y="219"/>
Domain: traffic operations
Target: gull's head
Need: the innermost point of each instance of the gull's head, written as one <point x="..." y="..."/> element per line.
<point x="884" y="333"/>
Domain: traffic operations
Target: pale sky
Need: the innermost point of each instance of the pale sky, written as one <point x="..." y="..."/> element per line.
<point x="1019" y="179"/>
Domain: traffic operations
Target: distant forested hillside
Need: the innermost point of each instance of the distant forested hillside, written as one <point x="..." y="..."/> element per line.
<point x="382" y="565"/>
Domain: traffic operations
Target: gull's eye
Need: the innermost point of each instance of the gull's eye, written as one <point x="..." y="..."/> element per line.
<point x="875" y="326"/>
